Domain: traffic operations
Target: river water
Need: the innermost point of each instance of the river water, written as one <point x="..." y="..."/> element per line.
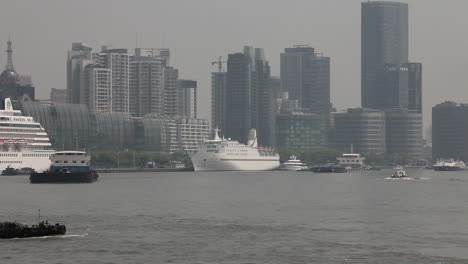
<point x="243" y="217"/>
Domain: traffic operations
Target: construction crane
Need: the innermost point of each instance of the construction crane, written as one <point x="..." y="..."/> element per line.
<point x="220" y="63"/>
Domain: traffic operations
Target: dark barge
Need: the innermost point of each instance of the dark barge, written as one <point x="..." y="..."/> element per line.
<point x="17" y="230"/>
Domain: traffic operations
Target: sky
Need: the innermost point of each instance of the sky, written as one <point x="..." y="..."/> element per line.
<point x="199" y="31"/>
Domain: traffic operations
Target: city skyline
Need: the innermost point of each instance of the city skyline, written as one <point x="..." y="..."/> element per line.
<point x="434" y="31"/>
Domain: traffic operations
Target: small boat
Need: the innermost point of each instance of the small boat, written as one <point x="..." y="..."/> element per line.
<point x="17" y="230"/>
<point x="9" y="171"/>
<point x="293" y="164"/>
<point x="398" y="174"/>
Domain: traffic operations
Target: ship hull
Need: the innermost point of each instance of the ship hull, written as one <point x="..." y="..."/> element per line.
<point x="203" y="162"/>
<point x="62" y="177"/>
<point x="447" y="168"/>
<point x="13" y="230"/>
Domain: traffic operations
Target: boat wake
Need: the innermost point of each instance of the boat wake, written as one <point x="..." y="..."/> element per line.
<point x="46" y="237"/>
<point x="408" y="179"/>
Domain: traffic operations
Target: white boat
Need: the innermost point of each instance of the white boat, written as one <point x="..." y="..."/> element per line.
<point x="449" y="165"/>
<point x="23" y="141"/>
<point x="221" y="154"/>
<point x="293" y="164"/>
<point x="398" y="174"/>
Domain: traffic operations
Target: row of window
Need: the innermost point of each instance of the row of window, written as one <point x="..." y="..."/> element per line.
<point x="66" y="161"/>
<point x="10" y="162"/>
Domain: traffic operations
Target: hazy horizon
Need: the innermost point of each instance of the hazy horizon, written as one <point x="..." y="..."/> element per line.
<point x="197" y="32"/>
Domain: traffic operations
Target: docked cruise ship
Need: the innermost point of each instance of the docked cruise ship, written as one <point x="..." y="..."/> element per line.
<point x="228" y="155"/>
<point x="23" y="142"/>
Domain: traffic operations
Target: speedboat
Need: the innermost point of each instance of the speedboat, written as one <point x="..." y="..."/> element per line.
<point x="398" y="174"/>
<point x="293" y="164"/>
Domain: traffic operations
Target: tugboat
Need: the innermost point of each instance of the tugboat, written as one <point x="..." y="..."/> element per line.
<point x="17" y="230"/>
<point x="67" y="167"/>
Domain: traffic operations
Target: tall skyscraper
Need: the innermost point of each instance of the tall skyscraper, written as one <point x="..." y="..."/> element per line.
<point x="78" y="58"/>
<point x="305" y="75"/>
<point x="414" y="86"/>
<point x="218" y="101"/>
<point x="146" y="85"/>
<point x="249" y="101"/>
<point x="384" y="40"/>
<point x="238" y="97"/>
<point x="170" y="93"/>
<point x="187" y="98"/>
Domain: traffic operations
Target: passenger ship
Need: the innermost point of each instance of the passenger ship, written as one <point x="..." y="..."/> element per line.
<point x="228" y="155"/>
<point x="23" y="142"/>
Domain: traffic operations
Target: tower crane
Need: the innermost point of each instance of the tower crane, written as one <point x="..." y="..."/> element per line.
<point x="220" y="63"/>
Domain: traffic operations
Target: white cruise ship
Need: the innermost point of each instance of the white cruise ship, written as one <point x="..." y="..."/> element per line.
<point x="23" y="142"/>
<point x="228" y="155"/>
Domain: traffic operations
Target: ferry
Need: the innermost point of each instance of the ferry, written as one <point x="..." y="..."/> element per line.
<point x="293" y="164"/>
<point x="449" y="165"/>
<point x="23" y="141"/>
<point x="221" y="154"/>
<point x="352" y="160"/>
<point x="67" y="166"/>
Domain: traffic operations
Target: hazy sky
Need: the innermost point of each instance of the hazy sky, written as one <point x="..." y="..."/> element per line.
<point x="198" y="31"/>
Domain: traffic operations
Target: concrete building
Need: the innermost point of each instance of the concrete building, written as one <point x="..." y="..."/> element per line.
<point x="404" y="134"/>
<point x="449" y="131"/>
<point x="305" y="75"/>
<point x="59" y="96"/>
<point x="360" y="128"/>
<point x="384" y="40"/>
<point x="414" y="86"/>
<point x="218" y="101"/>
<point x="117" y="60"/>
<point x="187" y="99"/>
<point x="170" y="92"/>
<point x="98" y="92"/>
<point x="298" y="131"/>
<point x="146" y="85"/>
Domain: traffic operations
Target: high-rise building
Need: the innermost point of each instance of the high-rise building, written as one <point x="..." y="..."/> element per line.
<point x="218" y="101"/>
<point x="170" y="92"/>
<point x="305" y="75"/>
<point x="403" y="130"/>
<point x="449" y="130"/>
<point x="146" y="85"/>
<point x="414" y="86"/>
<point x="98" y="92"/>
<point x="117" y="60"/>
<point x="187" y="98"/>
<point x="249" y="101"/>
<point x="262" y="97"/>
<point x="78" y="57"/>
<point x="384" y="40"/>
<point x="238" y="118"/>
<point x="361" y="129"/>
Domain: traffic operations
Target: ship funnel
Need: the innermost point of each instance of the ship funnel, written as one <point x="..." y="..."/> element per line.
<point x="252" y="138"/>
<point x="216" y="134"/>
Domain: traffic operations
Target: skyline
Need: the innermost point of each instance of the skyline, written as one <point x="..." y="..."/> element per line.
<point x="197" y="42"/>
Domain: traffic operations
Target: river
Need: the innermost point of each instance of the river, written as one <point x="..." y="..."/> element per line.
<point x="243" y="217"/>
